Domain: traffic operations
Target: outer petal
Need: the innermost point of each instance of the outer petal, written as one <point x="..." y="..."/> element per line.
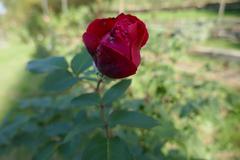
<point x="112" y="64"/>
<point x="96" y="31"/>
<point x="137" y="33"/>
<point x="141" y="29"/>
<point x="118" y="44"/>
<point x="135" y="43"/>
<point x="128" y="16"/>
<point x="100" y="27"/>
<point x="91" y="42"/>
<point x="143" y="34"/>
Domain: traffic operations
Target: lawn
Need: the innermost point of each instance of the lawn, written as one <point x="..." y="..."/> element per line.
<point x="13" y="58"/>
<point x="221" y="43"/>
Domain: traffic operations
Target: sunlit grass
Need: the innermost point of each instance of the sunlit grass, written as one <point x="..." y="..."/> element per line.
<point x="221" y="43"/>
<point x="13" y="58"/>
<point x="177" y="15"/>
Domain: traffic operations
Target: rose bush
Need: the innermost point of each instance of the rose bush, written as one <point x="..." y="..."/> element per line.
<point x="93" y="113"/>
<point x="115" y="44"/>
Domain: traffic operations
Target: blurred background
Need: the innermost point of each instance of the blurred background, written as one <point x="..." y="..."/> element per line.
<point x="189" y="77"/>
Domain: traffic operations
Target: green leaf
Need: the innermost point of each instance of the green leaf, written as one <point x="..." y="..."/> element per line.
<point x="57" y="128"/>
<point x="4" y="139"/>
<point x="81" y="62"/>
<point x="41" y="102"/>
<point x="132" y="119"/>
<point x="85" y="125"/>
<point x="116" y="91"/>
<point x="166" y="130"/>
<point x="88" y="99"/>
<point x="100" y="148"/>
<point x="4" y="150"/>
<point x="47" y="65"/>
<point x="45" y="153"/>
<point x="192" y="107"/>
<point x="80" y="116"/>
<point x="8" y="132"/>
<point x="59" y="80"/>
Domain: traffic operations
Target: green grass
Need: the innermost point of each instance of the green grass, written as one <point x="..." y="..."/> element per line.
<point x="177" y="15"/>
<point x="190" y="14"/>
<point x="221" y="43"/>
<point x="180" y="15"/>
<point x="13" y="58"/>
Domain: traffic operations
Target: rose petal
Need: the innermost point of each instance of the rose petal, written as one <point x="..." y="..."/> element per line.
<point x="143" y="31"/>
<point x="127" y="16"/>
<point x="135" y="43"/>
<point x="112" y="64"/>
<point x="100" y="27"/>
<point x="141" y="34"/>
<point x="91" y="42"/>
<point x="118" y="44"/>
<point x="137" y="34"/>
<point x="95" y="32"/>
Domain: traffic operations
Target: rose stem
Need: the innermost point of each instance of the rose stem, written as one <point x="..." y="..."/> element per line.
<point x="102" y="107"/>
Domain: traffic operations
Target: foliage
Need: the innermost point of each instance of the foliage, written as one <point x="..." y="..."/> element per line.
<point x="180" y="38"/>
<point x="67" y="117"/>
<point x="24" y="7"/>
<point x="55" y="127"/>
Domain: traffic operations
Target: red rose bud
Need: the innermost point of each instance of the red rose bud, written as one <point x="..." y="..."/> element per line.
<point x="115" y="44"/>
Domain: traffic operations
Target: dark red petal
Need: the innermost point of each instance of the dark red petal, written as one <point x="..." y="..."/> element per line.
<point x="119" y="45"/>
<point x="95" y="32"/>
<point x="128" y="16"/>
<point x="141" y="33"/>
<point x="144" y="32"/>
<point x="112" y="64"/>
<point x="91" y="42"/>
<point x="100" y="27"/>
<point x="120" y="16"/>
<point x="135" y="43"/>
<point x="136" y="58"/>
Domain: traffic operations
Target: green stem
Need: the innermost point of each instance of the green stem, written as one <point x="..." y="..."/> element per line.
<point x="98" y="85"/>
<point x="105" y="122"/>
<point x="108" y="149"/>
<point x="102" y="111"/>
